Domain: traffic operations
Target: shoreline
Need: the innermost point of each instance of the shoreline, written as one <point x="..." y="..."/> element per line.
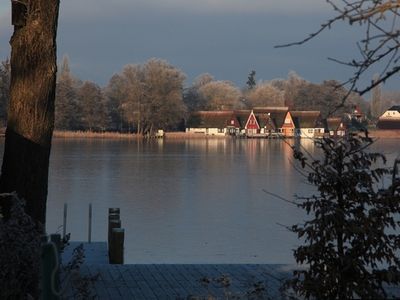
<point x="119" y="135"/>
<point x="375" y="133"/>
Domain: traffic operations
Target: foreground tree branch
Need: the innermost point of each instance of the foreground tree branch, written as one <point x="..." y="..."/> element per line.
<point x="380" y="44"/>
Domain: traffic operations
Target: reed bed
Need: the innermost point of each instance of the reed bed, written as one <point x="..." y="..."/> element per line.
<point x="385" y="134"/>
<point x="92" y="134"/>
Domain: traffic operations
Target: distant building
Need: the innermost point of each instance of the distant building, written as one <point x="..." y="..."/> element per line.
<point x="335" y="127"/>
<point x="259" y="122"/>
<point x="390" y="119"/>
<point x="213" y="123"/>
<point x="265" y="121"/>
<point x="307" y="124"/>
<point x="357" y="114"/>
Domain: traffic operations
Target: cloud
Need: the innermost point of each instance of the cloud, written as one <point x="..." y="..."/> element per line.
<point x="106" y="8"/>
<point x="5" y="31"/>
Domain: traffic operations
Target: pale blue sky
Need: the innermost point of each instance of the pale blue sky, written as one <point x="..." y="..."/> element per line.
<point x="227" y="38"/>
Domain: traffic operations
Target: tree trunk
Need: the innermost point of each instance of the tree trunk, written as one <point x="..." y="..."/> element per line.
<point x="31" y="110"/>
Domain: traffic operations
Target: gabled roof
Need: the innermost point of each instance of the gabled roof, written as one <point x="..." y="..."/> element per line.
<point x="276" y="115"/>
<point x="395" y="107"/>
<point x="211" y="119"/>
<point x="251" y="116"/>
<point x="334" y="123"/>
<point x="306" y="119"/>
<point x="242" y="116"/>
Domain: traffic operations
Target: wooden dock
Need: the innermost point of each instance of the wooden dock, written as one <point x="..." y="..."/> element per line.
<point x="179" y="281"/>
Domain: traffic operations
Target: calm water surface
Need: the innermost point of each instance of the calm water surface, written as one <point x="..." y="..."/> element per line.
<point x="183" y="201"/>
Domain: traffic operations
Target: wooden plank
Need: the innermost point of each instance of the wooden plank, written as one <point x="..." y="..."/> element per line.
<point x="180" y="281"/>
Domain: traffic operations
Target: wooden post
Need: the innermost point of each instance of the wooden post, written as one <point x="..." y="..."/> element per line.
<point x="114" y="210"/>
<point x="111" y="225"/>
<point x="90" y="224"/>
<point x="117" y="242"/>
<point x="113" y="215"/>
<point x="56" y="240"/>
<point x="49" y="265"/>
<point x="65" y="220"/>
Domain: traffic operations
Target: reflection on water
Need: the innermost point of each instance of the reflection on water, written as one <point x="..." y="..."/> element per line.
<point x="182" y="201"/>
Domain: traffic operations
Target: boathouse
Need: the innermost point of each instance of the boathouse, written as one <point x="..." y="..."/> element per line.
<point x="217" y="123"/>
<point x="307" y="124"/>
<point x="390" y="119"/>
<point x="335" y="127"/>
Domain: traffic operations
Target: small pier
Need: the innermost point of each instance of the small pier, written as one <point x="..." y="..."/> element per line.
<point x="116" y="280"/>
<point x="178" y="281"/>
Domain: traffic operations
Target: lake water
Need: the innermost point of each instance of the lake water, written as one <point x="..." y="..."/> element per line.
<point x="183" y="201"/>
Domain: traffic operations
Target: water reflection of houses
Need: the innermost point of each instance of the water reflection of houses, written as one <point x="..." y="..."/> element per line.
<point x="260" y="122"/>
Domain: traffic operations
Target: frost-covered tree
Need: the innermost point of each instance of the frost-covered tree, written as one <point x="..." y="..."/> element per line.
<point x="163" y="100"/>
<point x="93" y="108"/>
<point x="220" y="95"/>
<point x="67" y="112"/>
<point x="265" y="94"/>
<point x="192" y="97"/>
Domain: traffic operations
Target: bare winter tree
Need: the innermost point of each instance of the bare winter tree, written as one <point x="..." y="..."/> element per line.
<point x="380" y="45"/>
<point x="376" y="102"/>
<point x="265" y="94"/>
<point x="221" y="95"/>
<point x="31" y="109"/>
<point x="192" y="97"/>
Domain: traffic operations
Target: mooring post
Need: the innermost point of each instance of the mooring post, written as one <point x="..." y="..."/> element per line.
<point x="49" y="272"/>
<point x="111" y="225"/>
<point x="56" y="240"/>
<point x="90" y="223"/>
<point x="114" y="210"/>
<point x="65" y="221"/>
<point x="113" y="215"/>
<point x="117" y="242"/>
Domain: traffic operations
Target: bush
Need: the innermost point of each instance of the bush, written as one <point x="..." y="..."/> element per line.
<point x="19" y="251"/>
<point x="350" y="241"/>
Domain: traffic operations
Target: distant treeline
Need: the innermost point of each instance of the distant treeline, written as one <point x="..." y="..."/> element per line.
<point x="144" y="98"/>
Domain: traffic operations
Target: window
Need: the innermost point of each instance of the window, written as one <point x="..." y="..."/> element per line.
<point x="310" y="130"/>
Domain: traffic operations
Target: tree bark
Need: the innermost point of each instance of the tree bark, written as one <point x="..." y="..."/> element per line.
<point x="31" y="111"/>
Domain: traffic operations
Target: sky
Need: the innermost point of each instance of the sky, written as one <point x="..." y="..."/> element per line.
<point x="226" y="38"/>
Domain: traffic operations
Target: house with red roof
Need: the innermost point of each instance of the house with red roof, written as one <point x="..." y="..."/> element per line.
<point x="259" y="122"/>
<point x="265" y="121"/>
